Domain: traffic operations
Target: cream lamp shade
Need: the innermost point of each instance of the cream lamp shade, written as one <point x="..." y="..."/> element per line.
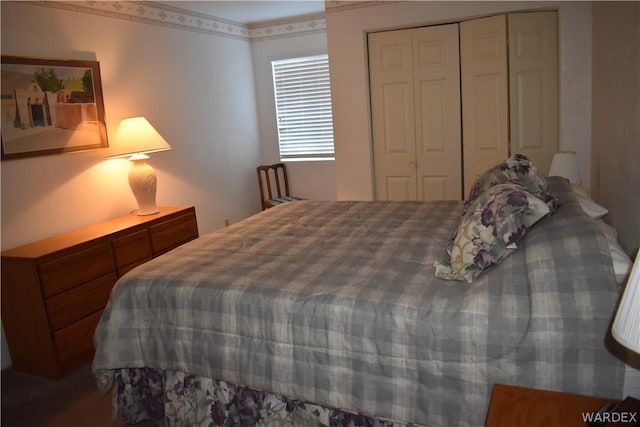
<point x="135" y="138"/>
<point x="565" y="164"/>
<point x="626" y="326"/>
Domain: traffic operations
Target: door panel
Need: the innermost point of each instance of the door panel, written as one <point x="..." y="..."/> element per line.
<point x="437" y="106"/>
<point x="435" y="187"/>
<point x="487" y="118"/>
<point x="392" y="110"/>
<point x="397" y="134"/>
<point x="399" y="188"/>
<point x="485" y="102"/>
<point x="528" y="112"/>
<point x="533" y="77"/>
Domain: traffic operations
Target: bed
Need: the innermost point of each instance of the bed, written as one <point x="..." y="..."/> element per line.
<point x="330" y="313"/>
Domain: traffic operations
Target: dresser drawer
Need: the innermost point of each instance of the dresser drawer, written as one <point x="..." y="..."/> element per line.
<point x="173" y="232"/>
<point x="72" y="305"/>
<point x="132" y="249"/>
<point x="76" y="338"/>
<point x="73" y="268"/>
<point x="123" y="270"/>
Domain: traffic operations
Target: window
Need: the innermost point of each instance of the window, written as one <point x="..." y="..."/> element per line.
<point x="303" y="108"/>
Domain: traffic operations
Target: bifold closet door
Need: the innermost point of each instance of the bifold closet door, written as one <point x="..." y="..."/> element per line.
<point x="485" y="96"/>
<point x="393" y="119"/>
<point x="415" y="101"/>
<point x="533" y="86"/>
<point x="421" y="79"/>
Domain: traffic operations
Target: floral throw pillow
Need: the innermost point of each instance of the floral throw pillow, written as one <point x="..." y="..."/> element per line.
<point x="517" y="169"/>
<point x="490" y="230"/>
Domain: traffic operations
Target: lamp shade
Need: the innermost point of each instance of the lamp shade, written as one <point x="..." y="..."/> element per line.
<point x="136" y="135"/>
<point x="565" y="164"/>
<point x="626" y="326"/>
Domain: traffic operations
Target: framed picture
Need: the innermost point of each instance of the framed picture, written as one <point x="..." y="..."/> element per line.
<point x="50" y="106"/>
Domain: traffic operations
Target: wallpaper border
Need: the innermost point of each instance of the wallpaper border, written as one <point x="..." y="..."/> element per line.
<point x="155" y="13"/>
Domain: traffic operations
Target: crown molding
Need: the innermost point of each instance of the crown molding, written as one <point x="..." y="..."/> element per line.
<point x="157" y="13"/>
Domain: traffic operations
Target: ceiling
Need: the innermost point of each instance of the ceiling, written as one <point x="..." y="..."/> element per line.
<point x="249" y="11"/>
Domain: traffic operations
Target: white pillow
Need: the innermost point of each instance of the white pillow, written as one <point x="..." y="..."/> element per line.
<point x="609" y="232"/>
<point x="621" y="261"/>
<point x="592" y="209"/>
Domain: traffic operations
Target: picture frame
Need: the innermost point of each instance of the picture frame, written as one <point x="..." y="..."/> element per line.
<point x="50" y="106"/>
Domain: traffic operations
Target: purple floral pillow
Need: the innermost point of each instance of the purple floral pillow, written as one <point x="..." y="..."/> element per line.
<point x="490" y="230"/>
<point x="516" y="169"/>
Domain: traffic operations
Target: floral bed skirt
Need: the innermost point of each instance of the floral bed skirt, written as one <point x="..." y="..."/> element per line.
<point x="177" y="399"/>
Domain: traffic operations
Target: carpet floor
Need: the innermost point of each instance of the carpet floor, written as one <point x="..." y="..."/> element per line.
<point x="74" y="401"/>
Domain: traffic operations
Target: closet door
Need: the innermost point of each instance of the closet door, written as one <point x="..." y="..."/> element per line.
<point x="485" y="100"/>
<point x="533" y="85"/>
<point x="436" y="74"/>
<point x="393" y="118"/>
<point x="415" y="102"/>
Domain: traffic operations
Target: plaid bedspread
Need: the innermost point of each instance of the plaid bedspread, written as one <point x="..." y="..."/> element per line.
<point x="337" y="303"/>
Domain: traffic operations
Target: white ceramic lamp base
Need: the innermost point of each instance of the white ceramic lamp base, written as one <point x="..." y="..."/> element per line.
<point x="143" y="183"/>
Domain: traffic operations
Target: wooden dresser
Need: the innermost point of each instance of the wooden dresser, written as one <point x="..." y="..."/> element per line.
<point x="54" y="290"/>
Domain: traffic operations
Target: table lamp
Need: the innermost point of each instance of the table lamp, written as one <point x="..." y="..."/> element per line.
<point x="565" y="164"/>
<point x="135" y="138"/>
<point x="626" y="326"/>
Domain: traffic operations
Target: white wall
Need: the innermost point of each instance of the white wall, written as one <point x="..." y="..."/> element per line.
<point x="615" y="155"/>
<point x="616" y="118"/>
<point x="309" y="180"/>
<point x="346" y="35"/>
<point x="196" y="89"/>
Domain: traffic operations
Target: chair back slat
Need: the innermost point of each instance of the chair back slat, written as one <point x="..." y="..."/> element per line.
<point x="272" y="179"/>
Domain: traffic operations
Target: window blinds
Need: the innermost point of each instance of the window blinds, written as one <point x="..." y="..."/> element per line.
<point x="303" y="108"/>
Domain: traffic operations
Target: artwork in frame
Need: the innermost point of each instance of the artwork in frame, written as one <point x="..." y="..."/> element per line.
<point x="50" y="106"/>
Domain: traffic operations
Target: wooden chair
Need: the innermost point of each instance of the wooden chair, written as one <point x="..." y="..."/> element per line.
<point x="274" y="185"/>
